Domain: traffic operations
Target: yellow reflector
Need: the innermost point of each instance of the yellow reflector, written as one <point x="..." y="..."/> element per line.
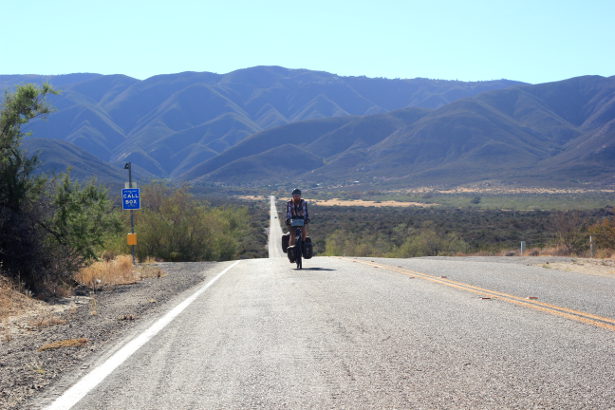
<point x="132" y="239"/>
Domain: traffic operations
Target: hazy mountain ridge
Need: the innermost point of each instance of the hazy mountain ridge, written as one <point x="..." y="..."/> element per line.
<point x="562" y="132"/>
<point x="164" y="122"/>
<point x="268" y="124"/>
<point x="54" y="155"/>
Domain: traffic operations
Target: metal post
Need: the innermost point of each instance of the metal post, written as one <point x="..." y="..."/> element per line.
<point x="522" y="247"/>
<point x="591" y="246"/>
<point x="128" y="166"/>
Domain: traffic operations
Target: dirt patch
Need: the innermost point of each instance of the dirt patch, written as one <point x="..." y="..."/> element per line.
<point x="598" y="267"/>
<point x="47" y="341"/>
<point x="364" y="203"/>
<point x="13" y="302"/>
<point x="500" y="189"/>
<point x="251" y="197"/>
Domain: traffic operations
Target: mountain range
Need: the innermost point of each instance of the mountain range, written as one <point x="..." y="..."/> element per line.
<point x="559" y="133"/>
<point x="270" y="124"/>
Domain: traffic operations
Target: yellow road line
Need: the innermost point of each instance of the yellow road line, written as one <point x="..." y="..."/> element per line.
<point x="579" y="316"/>
<point x="493" y="292"/>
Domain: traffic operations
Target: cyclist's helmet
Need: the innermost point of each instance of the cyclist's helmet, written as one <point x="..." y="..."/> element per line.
<point x="296" y="191"/>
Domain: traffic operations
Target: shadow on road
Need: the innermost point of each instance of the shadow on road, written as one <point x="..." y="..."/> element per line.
<point x="323" y="269"/>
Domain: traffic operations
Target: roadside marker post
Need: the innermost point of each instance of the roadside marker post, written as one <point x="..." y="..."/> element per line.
<point x="591" y="247"/>
<point x="131" y="201"/>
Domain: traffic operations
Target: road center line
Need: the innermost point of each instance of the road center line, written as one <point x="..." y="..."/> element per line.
<point x="76" y="392"/>
<point x="579" y="316"/>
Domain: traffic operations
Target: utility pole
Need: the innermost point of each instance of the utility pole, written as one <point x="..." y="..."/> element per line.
<point x="128" y="166"/>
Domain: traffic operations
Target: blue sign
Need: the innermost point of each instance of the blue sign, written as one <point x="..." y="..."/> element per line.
<point x="131" y="199"/>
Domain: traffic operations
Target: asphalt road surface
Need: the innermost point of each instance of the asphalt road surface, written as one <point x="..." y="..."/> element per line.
<point x="377" y="333"/>
<point x="275" y="231"/>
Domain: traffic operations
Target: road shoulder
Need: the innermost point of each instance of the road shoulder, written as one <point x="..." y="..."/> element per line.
<point x="85" y="328"/>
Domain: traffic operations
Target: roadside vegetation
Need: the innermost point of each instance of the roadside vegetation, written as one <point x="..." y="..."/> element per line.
<point x="175" y="226"/>
<point x="53" y="228"/>
<point x="50" y="226"/>
<point x="412" y="231"/>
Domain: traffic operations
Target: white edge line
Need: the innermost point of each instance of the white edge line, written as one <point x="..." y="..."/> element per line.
<point x="76" y="392"/>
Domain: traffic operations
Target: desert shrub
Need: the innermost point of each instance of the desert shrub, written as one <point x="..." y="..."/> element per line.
<point x="82" y="217"/>
<point x="570" y="232"/>
<point x="409" y="231"/>
<point x="603" y="233"/>
<point x="341" y="244"/>
<point x="58" y="234"/>
<point x="49" y="227"/>
<point x="22" y="248"/>
<point x="175" y="226"/>
<point x="428" y="242"/>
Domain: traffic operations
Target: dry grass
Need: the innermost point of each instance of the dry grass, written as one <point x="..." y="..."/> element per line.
<point x="64" y="343"/>
<point x="150" y="261"/>
<point x="118" y="271"/>
<point x="605" y="254"/>
<point x="92" y="306"/>
<point x="589" y="266"/>
<point x="550" y="251"/>
<point x="12" y="301"/>
<point x="46" y="321"/>
<point x="558" y="251"/>
<point x="20" y="313"/>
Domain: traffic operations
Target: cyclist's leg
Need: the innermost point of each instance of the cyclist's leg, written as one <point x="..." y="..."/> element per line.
<point x="304" y="232"/>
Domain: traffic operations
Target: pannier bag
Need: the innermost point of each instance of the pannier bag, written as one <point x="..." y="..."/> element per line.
<point x="307" y="248"/>
<point x="285" y="240"/>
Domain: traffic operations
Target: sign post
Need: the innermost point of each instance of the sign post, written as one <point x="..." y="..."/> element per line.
<point x="131" y="201"/>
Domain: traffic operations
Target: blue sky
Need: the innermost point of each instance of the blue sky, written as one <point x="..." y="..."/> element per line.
<point x="532" y="41"/>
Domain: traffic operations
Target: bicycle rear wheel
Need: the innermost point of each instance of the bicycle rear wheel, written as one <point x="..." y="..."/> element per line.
<point x="298" y="253"/>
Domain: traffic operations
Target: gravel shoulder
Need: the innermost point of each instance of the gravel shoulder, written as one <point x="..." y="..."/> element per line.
<point x="588" y="266"/>
<point x="91" y="324"/>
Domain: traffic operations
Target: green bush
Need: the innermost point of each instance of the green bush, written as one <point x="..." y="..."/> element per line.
<point x="50" y="228"/>
<point x="174" y="226"/>
<point x="82" y="217"/>
<point x="427" y="242"/>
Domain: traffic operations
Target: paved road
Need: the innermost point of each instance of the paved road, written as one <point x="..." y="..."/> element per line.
<point x="275" y="231"/>
<point x="379" y="333"/>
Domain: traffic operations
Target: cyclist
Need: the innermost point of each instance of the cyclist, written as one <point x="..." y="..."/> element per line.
<point x="296" y="208"/>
